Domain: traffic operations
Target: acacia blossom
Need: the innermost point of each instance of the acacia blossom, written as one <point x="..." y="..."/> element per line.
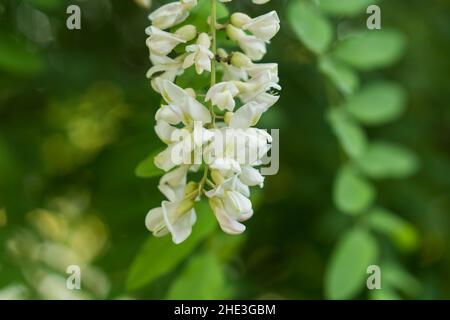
<point x="209" y="130"/>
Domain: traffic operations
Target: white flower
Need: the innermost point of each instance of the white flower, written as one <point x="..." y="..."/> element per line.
<point x="222" y="95"/>
<point x="229" y="180"/>
<point x="231" y="73"/>
<point x="165" y="68"/>
<point x="267" y="99"/>
<point x="174" y="217"/>
<point x="226" y="150"/>
<point x="251" y="176"/>
<point x="200" y="55"/>
<point x="166" y="132"/>
<point x="184" y="108"/>
<point x="165" y="159"/>
<point x="166" y="114"/>
<point x="171" y="14"/>
<point x="263" y="82"/>
<point x="228" y="223"/>
<point x="161" y="42"/>
<point x="173" y="183"/>
<point x="229" y="148"/>
<point x="253" y="47"/>
<point x="230" y="206"/>
<point x="245" y="65"/>
<point x="264" y="27"/>
<point x="181" y="146"/>
<point x="255" y="69"/>
<point x="230" y="70"/>
<point x="247" y="116"/>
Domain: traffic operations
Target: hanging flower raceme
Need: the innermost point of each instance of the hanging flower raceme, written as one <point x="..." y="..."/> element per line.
<point x="209" y="132"/>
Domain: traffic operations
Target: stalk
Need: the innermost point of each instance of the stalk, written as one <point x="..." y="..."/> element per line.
<point x="213" y="30"/>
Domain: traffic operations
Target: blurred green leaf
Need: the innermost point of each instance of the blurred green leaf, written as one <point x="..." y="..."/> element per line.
<point x="346" y="274"/>
<point x="353" y="194"/>
<point x="8" y="170"/>
<point x="371" y="49"/>
<point x="343" y="77"/>
<point x="378" y="103"/>
<point x="147" y="167"/>
<point x="202" y="279"/>
<point x="388" y="160"/>
<point x="47" y="5"/>
<point x="345" y="7"/>
<point x="159" y="256"/>
<point x="226" y="246"/>
<point x="312" y="28"/>
<point x="403" y="233"/>
<point x="396" y="277"/>
<point x="15" y="57"/>
<point x="384" y="294"/>
<point x="350" y="135"/>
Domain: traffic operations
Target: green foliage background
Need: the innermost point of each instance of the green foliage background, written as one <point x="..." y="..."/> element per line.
<point x="76" y="118"/>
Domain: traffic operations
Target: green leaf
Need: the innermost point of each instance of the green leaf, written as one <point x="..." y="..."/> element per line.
<point x="396" y="277"/>
<point x="202" y="279"/>
<point x="8" y="169"/>
<point x="378" y="103"/>
<point x="147" y="167"/>
<point x="384" y="294"/>
<point x="15" y="57"/>
<point x="158" y="256"/>
<point x="346" y="273"/>
<point x="311" y="27"/>
<point x="353" y="194"/>
<point x="402" y="233"/>
<point x="226" y="246"/>
<point x="387" y="160"/>
<point x="345" y="7"/>
<point x="343" y="77"/>
<point x="371" y="49"/>
<point x="47" y="5"/>
<point x="350" y="135"/>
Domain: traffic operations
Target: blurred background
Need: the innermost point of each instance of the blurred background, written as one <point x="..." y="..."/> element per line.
<point x="77" y="117"/>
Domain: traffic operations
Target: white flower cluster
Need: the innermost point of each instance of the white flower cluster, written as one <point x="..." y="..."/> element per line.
<point x="230" y="147"/>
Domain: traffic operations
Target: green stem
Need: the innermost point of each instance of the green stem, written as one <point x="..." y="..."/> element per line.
<point x="202" y="183"/>
<point x="213" y="29"/>
<point x="213" y="33"/>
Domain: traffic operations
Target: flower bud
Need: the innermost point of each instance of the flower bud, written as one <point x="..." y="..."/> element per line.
<point x="203" y="40"/>
<point x="188" y="4"/>
<point x="191" y="92"/>
<point x="217" y="178"/>
<point x="253" y="47"/>
<point x="188" y="32"/>
<point x="239" y="19"/>
<point x="240" y="60"/>
<point x="228" y="117"/>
